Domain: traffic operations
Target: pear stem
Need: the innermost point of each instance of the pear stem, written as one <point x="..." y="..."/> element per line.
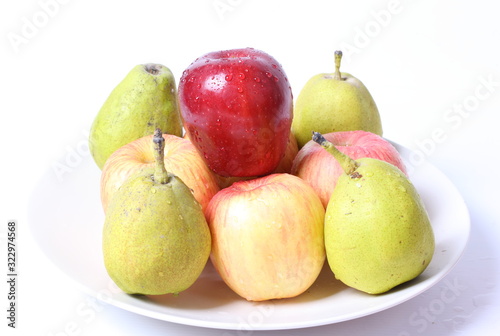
<point x="161" y="174"/>
<point x="348" y="165"/>
<point x="338" y="58"/>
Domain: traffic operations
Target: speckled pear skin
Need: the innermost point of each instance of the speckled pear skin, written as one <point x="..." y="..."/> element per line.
<point x="144" y="100"/>
<point x="329" y="104"/>
<point x="377" y="231"/>
<point x="155" y="237"/>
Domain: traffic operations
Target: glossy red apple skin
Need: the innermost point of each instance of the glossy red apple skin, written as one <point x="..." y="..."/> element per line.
<point x="181" y="159"/>
<point x="320" y="169"/>
<point x="267" y="236"/>
<point x="285" y="165"/>
<point x="237" y="107"/>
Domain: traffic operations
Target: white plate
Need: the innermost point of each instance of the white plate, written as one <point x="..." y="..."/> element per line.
<point x="66" y="219"/>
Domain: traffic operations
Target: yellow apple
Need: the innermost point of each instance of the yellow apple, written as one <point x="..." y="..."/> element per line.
<point x="267" y="236"/>
<point x="181" y="159"/>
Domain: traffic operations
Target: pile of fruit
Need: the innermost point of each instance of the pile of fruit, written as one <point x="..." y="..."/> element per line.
<point x="226" y="167"/>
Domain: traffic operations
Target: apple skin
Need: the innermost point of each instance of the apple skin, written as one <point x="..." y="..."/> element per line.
<point x="267" y="236"/>
<point x="320" y="169"/>
<point x="181" y="159"/>
<point x="285" y="165"/>
<point x="237" y="107"/>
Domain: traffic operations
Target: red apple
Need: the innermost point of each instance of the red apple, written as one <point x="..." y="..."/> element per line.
<point x="267" y="236"/>
<point x="236" y="106"/>
<point x="285" y="165"/>
<point x="320" y="169"/>
<point x="181" y="159"/>
<point x="292" y="148"/>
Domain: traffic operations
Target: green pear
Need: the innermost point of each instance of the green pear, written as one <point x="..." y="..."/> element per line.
<point x="156" y="239"/>
<point x="144" y="100"/>
<point x="377" y="230"/>
<point x="333" y="102"/>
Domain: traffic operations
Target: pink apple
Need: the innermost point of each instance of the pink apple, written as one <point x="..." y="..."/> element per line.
<point x="237" y="106"/>
<point x="181" y="159"/>
<point x="267" y="236"/>
<point x="320" y="169"/>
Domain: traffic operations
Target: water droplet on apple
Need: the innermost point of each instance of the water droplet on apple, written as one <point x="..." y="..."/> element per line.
<point x="241" y="76"/>
<point x="257" y="79"/>
<point x="274" y="66"/>
<point x="229" y="77"/>
<point x="240" y="89"/>
<point x="268" y="74"/>
<point x="275" y="78"/>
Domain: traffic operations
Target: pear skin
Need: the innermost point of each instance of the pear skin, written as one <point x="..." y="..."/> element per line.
<point x="156" y="239"/>
<point x="377" y="231"/>
<point x="144" y="100"/>
<point x="333" y="102"/>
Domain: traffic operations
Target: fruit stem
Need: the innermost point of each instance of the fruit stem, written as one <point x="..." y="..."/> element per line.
<point x="338" y="58"/>
<point x="152" y="68"/>
<point x="348" y="165"/>
<point x="160" y="175"/>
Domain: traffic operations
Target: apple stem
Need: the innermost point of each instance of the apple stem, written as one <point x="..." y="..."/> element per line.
<point x="160" y="175"/>
<point x="348" y="165"/>
<point x="338" y="58"/>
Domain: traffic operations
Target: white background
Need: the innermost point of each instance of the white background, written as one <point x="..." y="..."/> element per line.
<point x="433" y="68"/>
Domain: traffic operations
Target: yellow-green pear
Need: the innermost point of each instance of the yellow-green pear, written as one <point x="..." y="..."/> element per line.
<point x="144" y="100"/>
<point x="333" y="102"/>
<point x="156" y="239"/>
<point x="377" y="230"/>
